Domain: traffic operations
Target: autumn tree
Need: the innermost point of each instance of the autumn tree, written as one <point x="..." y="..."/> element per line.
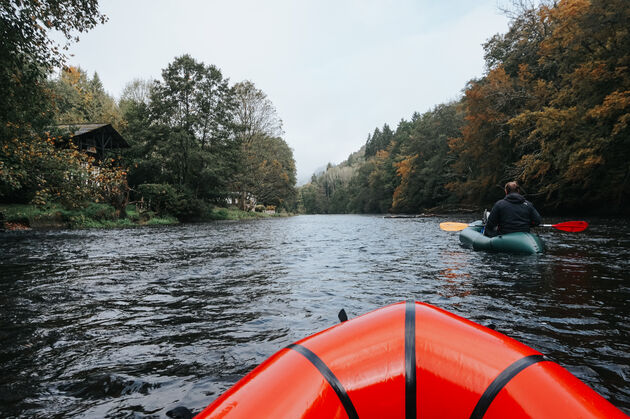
<point x="32" y="168"/>
<point x="44" y="173"/>
<point x="551" y="111"/>
<point x="28" y="54"/>
<point x="487" y="151"/>
<point x="578" y="133"/>
<point x="272" y="171"/>
<point x="266" y="169"/>
<point x="80" y="99"/>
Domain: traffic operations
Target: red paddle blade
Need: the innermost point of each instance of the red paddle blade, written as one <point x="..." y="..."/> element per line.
<point x="572" y="226"/>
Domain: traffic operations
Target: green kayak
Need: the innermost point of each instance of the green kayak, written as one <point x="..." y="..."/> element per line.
<point x="512" y="243"/>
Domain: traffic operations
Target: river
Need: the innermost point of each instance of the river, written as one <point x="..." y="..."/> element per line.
<point x="133" y="322"/>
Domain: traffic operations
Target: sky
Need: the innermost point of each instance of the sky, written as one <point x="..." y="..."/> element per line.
<point x="334" y="69"/>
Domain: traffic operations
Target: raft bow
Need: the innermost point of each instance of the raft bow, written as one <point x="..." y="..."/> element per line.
<point x="409" y="360"/>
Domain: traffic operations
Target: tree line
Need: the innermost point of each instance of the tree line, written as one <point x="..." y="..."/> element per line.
<point x="551" y="111"/>
<point x="196" y="140"/>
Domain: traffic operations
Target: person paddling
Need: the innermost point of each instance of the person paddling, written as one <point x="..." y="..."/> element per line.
<point x="511" y="214"/>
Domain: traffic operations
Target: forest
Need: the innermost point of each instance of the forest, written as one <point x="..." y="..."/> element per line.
<point x="551" y="112"/>
<point x="196" y="140"/>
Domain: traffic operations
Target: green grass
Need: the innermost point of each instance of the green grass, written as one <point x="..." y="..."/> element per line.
<point x="166" y="220"/>
<point x="92" y="216"/>
<point x="233" y="213"/>
<point x="18" y="212"/>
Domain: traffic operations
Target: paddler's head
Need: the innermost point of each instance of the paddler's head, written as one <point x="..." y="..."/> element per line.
<point x="512" y="187"/>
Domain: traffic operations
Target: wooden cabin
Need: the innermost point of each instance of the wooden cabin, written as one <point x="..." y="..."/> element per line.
<point x="94" y="139"/>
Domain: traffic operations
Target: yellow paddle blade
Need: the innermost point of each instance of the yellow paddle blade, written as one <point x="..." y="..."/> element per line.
<point x="448" y="226"/>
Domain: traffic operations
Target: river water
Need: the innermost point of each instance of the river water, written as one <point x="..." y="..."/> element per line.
<point x="134" y="322"/>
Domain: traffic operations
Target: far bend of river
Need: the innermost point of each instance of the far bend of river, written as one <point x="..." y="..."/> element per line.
<point x="134" y="322"/>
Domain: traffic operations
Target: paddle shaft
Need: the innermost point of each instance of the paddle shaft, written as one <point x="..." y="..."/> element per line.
<point x="570" y="226"/>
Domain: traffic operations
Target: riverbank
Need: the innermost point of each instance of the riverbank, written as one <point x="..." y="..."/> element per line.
<point x="27" y="217"/>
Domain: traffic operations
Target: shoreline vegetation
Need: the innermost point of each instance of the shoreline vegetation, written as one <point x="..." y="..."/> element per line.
<point x="188" y="146"/>
<point x="551" y="111"/>
<point x="15" y="217"/>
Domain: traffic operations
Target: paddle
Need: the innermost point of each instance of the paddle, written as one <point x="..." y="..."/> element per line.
<point x="570" y="226"/>
<point x="449" y="226"/>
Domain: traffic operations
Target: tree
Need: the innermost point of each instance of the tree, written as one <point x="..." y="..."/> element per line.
<point x="486" y="152"/>
<point x="272" y="171"/>
<point x="379" y="140"/>
<point x="255" y="114"/>
<point x="331" y="191"/>
<point x="552" y="111"/>
<point x="31" y="167"/>
<point x="28" y="53"/>
<point x="423" y="163"/>
<point x="135" y="105"/>
<point x="578" y="134"/>
<point x="79" y="99"/>
<point x="43" y="173"/>
<point x="194" y="134"/>
<point x="137" y="91"/>
<point x="259" y="132"/>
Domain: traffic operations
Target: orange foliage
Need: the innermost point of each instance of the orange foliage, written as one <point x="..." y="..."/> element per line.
<point x="614" y="106"/>
<point x="404" y="169"/>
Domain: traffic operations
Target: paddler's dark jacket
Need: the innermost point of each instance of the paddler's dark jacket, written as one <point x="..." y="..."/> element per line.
<point x="511" y="214"/>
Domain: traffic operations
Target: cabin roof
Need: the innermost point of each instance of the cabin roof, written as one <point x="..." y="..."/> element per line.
<point x="80" y="131"/>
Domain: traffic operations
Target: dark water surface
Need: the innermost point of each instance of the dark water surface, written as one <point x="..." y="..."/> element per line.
<point x="131" y="323"/>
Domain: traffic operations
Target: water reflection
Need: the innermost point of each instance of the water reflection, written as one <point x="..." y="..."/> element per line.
<point x="135" y="322"/>
<point x="455" y="277"/>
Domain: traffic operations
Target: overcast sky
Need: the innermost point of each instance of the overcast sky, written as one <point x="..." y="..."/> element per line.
<point x="334" y="69"/>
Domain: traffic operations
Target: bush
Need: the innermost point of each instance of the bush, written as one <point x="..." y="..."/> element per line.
<point x="159" y="197"/>
<point x="189" y="208"/>
<point x="165" y="199"/>
<point x="100" y="212"/>
<point x="220" y="214"/>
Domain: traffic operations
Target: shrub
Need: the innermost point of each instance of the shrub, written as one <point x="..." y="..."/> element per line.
<point x="165" y="199"/>
<point x="100" y="212"/>
<point x="189" y="208"/>
<point x="220" y="214"/>
<point x="159" y="197"/>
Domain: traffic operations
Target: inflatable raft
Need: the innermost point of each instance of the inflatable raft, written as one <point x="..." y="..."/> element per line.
<point x="409" y="360"/>
<point x="527" y="243"/>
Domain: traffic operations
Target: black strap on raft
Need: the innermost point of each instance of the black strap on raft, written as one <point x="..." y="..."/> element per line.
<point x="330" y="377"/>
<point x="502" y="379"/>
<point x="343" y="317"/>
<point x="410" y="360"/>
